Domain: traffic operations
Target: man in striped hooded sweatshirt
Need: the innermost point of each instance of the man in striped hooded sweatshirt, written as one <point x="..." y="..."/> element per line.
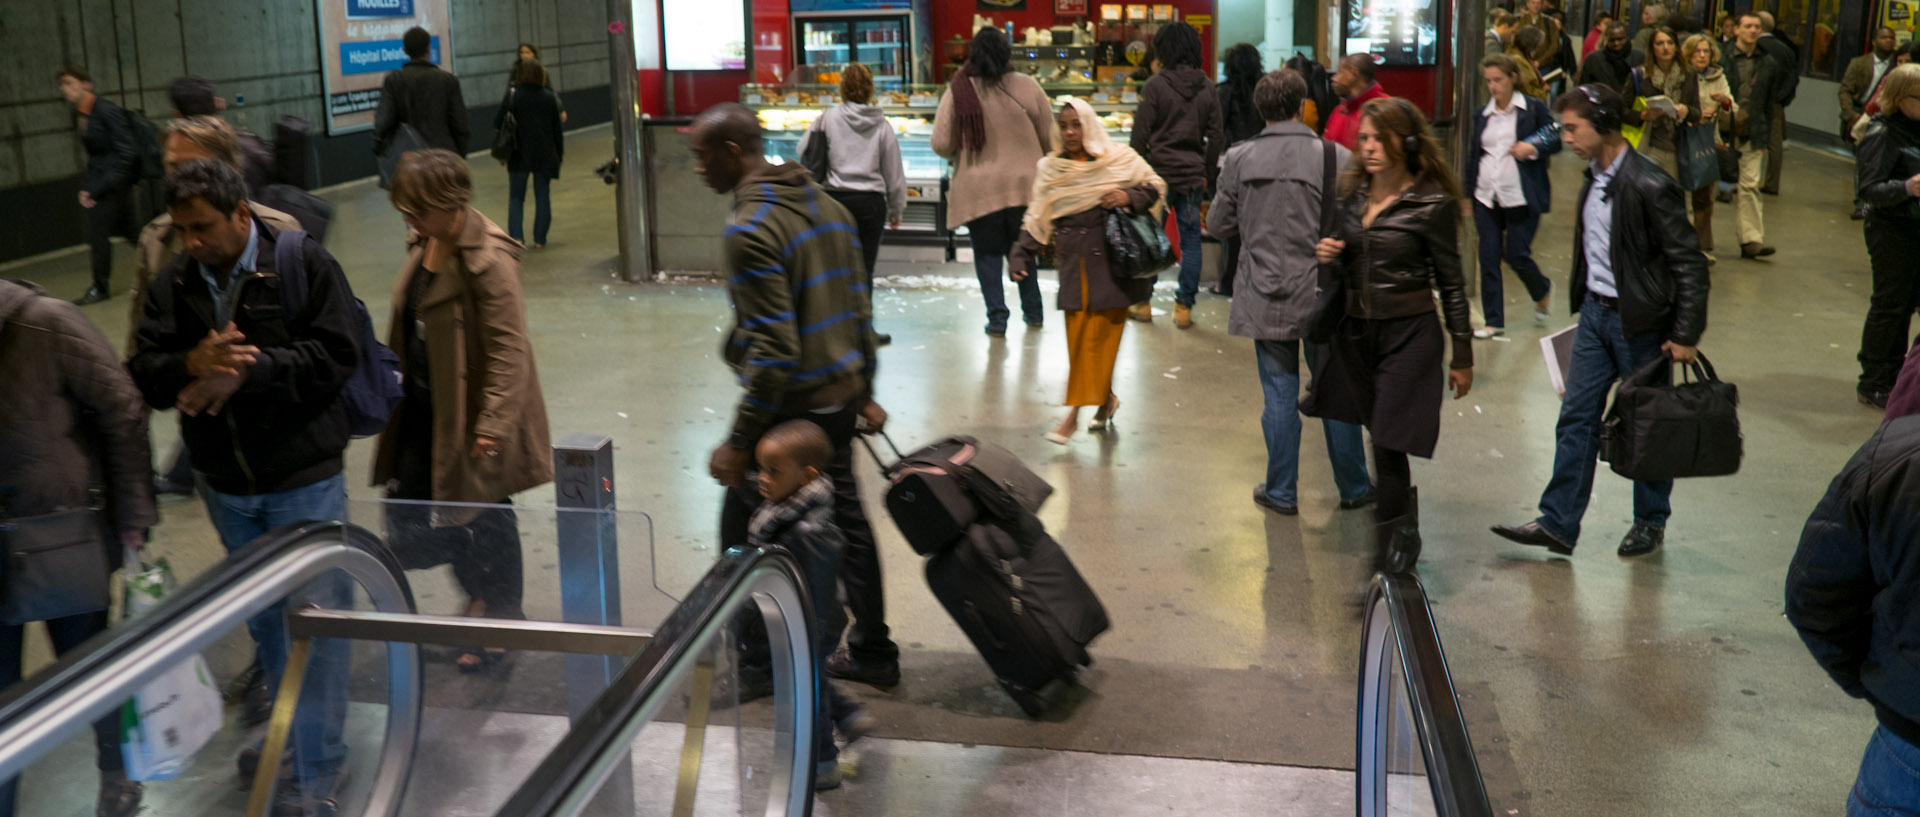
<point x="803" y="347"/>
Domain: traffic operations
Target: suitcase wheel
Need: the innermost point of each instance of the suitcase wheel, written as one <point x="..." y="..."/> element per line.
<point x="1028" y="700"/>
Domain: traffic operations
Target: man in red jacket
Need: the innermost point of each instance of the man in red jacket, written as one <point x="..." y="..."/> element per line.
<point x="1354" y="82"/>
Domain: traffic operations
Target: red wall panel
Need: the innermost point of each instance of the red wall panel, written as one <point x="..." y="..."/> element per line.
<point x="772" y="32"/>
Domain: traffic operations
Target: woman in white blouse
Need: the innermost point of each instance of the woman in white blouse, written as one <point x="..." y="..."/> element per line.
<point x="1508" y="184"/>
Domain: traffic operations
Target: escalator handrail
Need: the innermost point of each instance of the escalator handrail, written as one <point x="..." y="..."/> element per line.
<point x="1453" y="772"/>
<point x="574" y="767"/>
<point x="91" y="681"/>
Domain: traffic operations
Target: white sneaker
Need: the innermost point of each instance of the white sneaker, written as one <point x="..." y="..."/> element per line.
<point x="1488" y="332"/>
<point x="1540" y="316"/>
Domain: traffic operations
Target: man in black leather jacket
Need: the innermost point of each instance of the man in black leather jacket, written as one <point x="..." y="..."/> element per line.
<point x="1639" y="287"/>
<point x="1849" y="593"/>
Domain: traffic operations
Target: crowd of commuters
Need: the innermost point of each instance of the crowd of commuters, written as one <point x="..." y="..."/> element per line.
<point x="1340" y="233"/>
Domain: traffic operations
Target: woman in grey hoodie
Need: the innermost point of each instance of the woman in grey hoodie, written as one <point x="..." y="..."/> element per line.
<point x="864" y="172"/>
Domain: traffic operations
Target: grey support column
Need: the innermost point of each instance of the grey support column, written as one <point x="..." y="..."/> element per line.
<point x="631" y="193"/>
<point x="1469" y="41"/>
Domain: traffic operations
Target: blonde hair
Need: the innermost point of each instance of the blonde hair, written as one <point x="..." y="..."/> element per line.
<point x="210" y="134"/>
<point x="1693" y="44"/>
<point x="431" y="180"/>
<point x="1901" y="84"/>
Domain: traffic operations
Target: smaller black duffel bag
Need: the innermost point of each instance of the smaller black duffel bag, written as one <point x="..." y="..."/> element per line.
<point x="1658" y="429"/>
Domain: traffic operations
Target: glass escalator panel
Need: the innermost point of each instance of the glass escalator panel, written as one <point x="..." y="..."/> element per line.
<point x="1415" y="756"/>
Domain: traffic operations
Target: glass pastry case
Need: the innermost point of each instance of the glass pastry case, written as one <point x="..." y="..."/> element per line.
<point x="788" y="110"/>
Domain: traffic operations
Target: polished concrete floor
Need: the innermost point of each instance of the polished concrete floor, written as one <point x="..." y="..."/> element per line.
<point x="1669" y="684"/>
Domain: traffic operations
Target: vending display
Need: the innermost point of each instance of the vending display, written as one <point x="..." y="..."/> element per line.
<point x="884" y="44"/>
<point x="1395" y="32"/>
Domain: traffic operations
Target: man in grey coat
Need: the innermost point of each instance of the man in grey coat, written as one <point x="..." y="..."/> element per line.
<point x="1270" y="197"/>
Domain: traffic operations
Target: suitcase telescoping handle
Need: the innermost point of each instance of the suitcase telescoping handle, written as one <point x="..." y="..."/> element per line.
<point x="897" y="456"/>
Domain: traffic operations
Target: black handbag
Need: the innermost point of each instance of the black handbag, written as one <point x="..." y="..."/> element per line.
<point x="1330" y="296"/>
<point x="506" y="138"/>
<point x="1657" y="429"/>
<point x="1137" y="245"/>
<point x="815" y="157"/>
<point x="1729" y="164"/>
<point x="56" y="565"/>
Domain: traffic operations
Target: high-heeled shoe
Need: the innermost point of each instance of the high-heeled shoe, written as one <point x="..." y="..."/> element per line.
<point x="1058" y="438"/>
<point x="1104" y="419"/>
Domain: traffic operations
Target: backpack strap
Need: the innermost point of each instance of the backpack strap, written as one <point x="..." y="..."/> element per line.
<point x="290" y="263"/>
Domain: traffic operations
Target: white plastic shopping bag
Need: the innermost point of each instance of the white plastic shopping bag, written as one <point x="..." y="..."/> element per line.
<point x="168" y="721"/>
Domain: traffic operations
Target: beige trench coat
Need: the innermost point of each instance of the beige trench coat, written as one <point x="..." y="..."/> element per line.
<point x="484" y="380"/>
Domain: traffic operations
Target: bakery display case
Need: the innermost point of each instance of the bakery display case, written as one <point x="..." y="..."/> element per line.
<point x="787" y="111"/>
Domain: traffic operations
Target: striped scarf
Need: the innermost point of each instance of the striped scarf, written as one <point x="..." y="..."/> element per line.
<point x="773" y="517"/>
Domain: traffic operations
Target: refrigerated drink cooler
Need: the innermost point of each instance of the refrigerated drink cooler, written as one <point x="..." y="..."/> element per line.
<point x="825" y="42"/>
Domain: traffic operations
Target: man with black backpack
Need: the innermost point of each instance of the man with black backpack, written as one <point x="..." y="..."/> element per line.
<point x="115" y="163"/>
<point x="254" y="335"/>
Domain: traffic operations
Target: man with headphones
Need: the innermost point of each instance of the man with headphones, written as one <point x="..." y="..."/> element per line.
<point x="1639" y="287"/>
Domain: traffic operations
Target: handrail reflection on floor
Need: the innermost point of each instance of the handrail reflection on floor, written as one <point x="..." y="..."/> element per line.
<point x="94" y="680"/>
<point x="767" y="579"/>
<point x="1401" y="640"/>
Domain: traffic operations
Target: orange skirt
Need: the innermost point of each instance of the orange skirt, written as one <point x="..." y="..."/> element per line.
<point x="1093" y="345"/>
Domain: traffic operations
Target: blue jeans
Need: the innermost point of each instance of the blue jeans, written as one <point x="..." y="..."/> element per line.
<point x="1506" y="233"/>
<point x="318" y="749"/>
<point x="1601" y="355"/>
<point x="517" y="204"/>
<point x="1186" y="216"/>
<point x="992" y="237"/>
<point x="1280" y="421"/>
<point x="1889" y="781"/>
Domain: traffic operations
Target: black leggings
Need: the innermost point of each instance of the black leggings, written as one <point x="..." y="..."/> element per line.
<point x="1393" y="484"/>
<point x="66" y="634"/>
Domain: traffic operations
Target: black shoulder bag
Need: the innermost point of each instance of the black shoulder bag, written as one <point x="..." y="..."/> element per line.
<point x="1658" y="429"/>
<point x="816" y="157"/>
<point x="506" y="138"/>
<point x="56" y="564"/>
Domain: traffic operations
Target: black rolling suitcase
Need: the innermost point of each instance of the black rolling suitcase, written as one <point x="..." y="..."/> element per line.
<point x="1002" y="578"/>
<point x="1020" y="601"/>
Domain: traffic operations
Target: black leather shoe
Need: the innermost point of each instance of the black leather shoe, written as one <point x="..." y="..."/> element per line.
<point x="1874" y="398"/>
<point x="94" y="295"/>
<point x="1534" y="535"/>
<point x="1755" y="249"/>
<point x="882" y="674"/>
<point x="119" y="797"/>
<point x="1642" y="540"/>
<point x="1260" y="498"/>
<point x="882" y="339"/>
<point x="1354" y="504"/>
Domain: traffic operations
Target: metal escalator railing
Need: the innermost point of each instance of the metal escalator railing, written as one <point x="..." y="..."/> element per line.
<point x="1414" y="754"/>
<point x="766" y="581"/>
<point x="95" y="679"/>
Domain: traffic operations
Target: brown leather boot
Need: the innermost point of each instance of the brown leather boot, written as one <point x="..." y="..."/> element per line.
<point x="1183" y="316"/>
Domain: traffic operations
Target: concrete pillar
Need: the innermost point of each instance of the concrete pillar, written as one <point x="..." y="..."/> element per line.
<point x="630" y="193"/>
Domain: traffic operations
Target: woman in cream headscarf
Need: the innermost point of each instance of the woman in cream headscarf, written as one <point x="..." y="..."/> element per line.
<point x="1072" y="191"/>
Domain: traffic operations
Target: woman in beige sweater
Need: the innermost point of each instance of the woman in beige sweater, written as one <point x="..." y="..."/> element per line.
<point x="994" y="124"/>
<point x="1717" y="106"/>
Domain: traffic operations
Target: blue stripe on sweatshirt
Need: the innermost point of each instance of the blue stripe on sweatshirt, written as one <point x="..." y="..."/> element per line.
<point x="847" y="361"/>
<point x="758" y="215"/>
<point x="752" y="323"/>
<point x="743" y="277"/>
<point x="823" y="324"/>
<point x="819" y="230"/>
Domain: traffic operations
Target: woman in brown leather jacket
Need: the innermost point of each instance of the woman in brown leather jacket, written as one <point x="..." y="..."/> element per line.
<point x="1396" y="239"/>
